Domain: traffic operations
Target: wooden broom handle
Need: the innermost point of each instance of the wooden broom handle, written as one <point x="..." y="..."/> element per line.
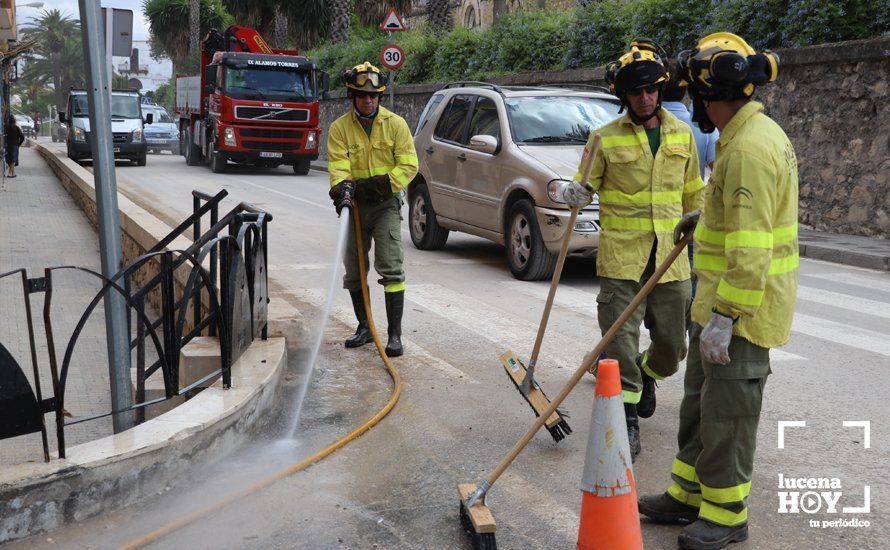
<point x="590" y="359"/>
<point x="563" y="252"/>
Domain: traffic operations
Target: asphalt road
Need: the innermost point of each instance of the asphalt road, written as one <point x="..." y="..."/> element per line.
<point x="459" y="414"/>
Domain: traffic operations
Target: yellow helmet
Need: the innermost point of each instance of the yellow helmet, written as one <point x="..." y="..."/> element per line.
<point x="364" y="78"/>
<point x="724" y="66"/>
<point x="639" y="67"/>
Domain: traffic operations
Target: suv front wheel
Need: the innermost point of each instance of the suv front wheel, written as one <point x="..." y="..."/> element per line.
<point x="426" y="233"/>
<point x="528" y="258"/>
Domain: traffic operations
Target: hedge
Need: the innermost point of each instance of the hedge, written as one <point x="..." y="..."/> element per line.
<point x="597" y="33"/>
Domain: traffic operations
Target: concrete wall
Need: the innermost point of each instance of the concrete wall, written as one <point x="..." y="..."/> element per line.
<point x="833" y="102"/>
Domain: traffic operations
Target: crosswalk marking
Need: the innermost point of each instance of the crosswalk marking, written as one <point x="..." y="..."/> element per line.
<point x="415" y="355"/>
<point x="844" y="301"/>
<point x="841" y="333"/>
<point x="879" y="281"/>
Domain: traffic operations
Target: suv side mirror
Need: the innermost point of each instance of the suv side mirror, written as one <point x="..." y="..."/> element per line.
<point x="484" y="144"/>
<point x="63" y="118"/>
<point x="149" y="118"/>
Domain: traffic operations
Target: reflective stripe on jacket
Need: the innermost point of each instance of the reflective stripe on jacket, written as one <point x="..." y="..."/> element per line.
<point x="352" y="154"/>
<point x="746" y="254"/>
<point x="642" y="197"/>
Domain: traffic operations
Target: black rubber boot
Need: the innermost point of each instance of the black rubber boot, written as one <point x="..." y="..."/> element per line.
<point x="646" y="406"/>
<point x="704" y="535"/>
<point x="363" y="333"/>
<point x="395" y="305"/>
<point x="633" y="430"/>
<point x="664" y="508"/>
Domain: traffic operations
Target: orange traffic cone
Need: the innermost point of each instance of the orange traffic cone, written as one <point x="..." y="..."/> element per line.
<point x="609" y="515"/>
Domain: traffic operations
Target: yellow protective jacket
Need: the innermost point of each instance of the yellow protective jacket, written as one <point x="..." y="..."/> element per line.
<point x="642" y="197"/>
<point x="746" y="254"/>
<point x="352" y="154"/>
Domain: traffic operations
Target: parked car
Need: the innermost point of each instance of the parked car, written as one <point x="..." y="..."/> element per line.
<point x="126" y="126"/>
<point x="493" y="162"/>
<point x="26" y="124"/>
<point x="162" y="134"/>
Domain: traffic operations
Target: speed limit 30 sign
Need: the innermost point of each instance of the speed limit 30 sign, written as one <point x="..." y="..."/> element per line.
<point x="392" y="56"/>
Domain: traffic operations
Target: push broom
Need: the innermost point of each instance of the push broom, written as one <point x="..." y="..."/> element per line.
<point x="524" y="377"/>
<point x="475" y="516"/>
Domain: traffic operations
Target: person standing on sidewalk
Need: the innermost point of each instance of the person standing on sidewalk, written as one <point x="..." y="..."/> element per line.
<point x="14" y="139"/>
<point x="372" y="158"/>
<point x="747" y="261"/>
<point x="647" y="177"/>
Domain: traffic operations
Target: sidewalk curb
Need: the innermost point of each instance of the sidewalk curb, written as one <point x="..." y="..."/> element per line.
<point x="122" y="469"/>
<point x="846" y="257"/>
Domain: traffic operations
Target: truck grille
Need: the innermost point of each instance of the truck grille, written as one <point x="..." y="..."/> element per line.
<point x="272" y="134"/>
<point x="270" y="145"/>
<point x="272" y="113"/>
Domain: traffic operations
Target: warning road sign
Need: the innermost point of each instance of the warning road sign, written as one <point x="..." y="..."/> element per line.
<point x="392" y="56"/>
<point x="392" y="22"/>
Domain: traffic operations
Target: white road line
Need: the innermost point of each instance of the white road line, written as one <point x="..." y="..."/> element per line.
<point x="776" y="354"/>
<point x="500" y="327"/>
<point x="540" y="503"/>
<point x="841" y="333"/>
<point x="415" y="356"/>
<point x="879" y="282"/>
<point x="844" y="301"/>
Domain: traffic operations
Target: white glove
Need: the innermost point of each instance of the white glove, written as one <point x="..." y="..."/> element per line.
<point x="576" y="195"/>
<point x="714" y="339"/>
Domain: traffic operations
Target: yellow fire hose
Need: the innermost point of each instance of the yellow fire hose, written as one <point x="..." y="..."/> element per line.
<point x="265" y="482"/>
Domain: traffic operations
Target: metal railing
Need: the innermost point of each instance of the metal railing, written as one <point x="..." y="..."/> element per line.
<point x="234" y="249"/>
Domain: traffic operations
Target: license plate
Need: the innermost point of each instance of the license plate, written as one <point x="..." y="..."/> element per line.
<point x="117" y="149"/>
<point x="152" y="140"/>
<point x="269" y="155"/>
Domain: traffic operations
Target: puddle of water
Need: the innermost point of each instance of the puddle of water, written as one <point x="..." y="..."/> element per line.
<point x="323" y="321"/>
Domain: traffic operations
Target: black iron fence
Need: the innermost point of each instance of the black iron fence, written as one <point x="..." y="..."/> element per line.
<point x="223" y="280"/>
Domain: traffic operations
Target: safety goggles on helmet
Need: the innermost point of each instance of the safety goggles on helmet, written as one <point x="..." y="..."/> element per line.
<point x="640" y="67"/>
<point x="364" y="78"/>
<point x="724" y="67"/>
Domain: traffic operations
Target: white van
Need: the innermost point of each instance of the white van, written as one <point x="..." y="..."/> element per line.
<point x="126" y="126"/>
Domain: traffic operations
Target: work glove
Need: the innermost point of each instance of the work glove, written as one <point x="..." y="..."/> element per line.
<point x="342" y="194"/>
<point x="714" y="339"/>
<point x="576" y="195"/>
<point x="686" y="225"/>
<point x="374" y="189"/>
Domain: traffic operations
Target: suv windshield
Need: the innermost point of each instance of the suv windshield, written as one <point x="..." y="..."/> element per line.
<point x="160" y="115"/>
<point x="557" y="119"/>
<point x="255" y="83"/>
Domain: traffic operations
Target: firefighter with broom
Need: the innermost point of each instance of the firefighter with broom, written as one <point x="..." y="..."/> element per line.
<point x="371" y="159"/>
<point x="647" y="177"/>
<point x="746" y="260"/>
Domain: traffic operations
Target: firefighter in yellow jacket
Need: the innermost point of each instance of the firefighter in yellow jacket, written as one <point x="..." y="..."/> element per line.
<point x="371" y="159"/>
<point x="746" y="260"/>
<point x="646" y="174"/>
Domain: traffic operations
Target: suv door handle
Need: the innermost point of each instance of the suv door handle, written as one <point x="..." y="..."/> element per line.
<point x="462" y="157"/>
<point x="429" y="149"/>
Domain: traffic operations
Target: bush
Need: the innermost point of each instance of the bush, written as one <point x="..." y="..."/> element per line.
<point x="674" y="24"/>
<point x="814" y="22"/>
<point x="759" y="22"/>
<point x="600" y="33"/>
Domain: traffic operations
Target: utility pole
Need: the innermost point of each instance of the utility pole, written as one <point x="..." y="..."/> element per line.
<point x="108" y="218"/>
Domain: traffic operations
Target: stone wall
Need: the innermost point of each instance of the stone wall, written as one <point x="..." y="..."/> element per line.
<point x="832" y="101"/>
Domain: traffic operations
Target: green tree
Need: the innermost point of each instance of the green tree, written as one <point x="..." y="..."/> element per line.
<point x="170" y="38"/>
<point x="54" y="32"/>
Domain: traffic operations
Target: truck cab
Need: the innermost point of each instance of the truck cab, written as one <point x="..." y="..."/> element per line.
<point x="251" y="105"/>
<point x="126" y="126"/>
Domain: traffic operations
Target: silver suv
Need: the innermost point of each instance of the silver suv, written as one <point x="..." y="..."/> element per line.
<point x="493" y="162"/>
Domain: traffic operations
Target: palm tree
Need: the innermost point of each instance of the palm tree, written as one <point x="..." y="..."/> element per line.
<point x="52" y="31"/>
<point x="169" y="37"/>
<point x="194" y="26"/>
<point x="439" y="16"/>
<point x="340" y="14"/>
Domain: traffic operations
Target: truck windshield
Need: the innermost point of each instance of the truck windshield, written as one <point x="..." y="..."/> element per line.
<point x="122" y="106"/>
<point x="558" y="119"/>
<point x="256" y="83"/>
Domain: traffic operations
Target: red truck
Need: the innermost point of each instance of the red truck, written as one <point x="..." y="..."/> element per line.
<point x="251" y="104"/>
